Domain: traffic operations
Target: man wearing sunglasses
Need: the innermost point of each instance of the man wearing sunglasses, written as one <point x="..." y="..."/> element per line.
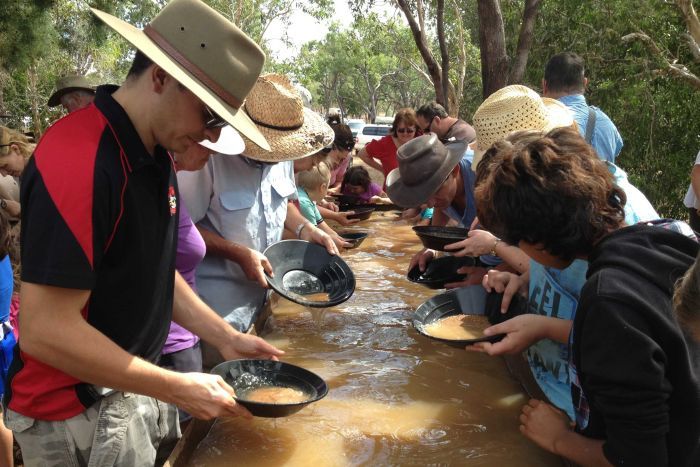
<point x="100" y="209"/>
<point x="432" y="118"/>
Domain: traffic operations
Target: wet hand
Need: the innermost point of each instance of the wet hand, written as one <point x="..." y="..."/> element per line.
<point x="422" y="258"/>
<point x="474" y="276"/>
<point x="340" y="242"/>
<point x="544" y="424"/>
<point x="315" y="235"/>
<point x="521" y="332"/>
<point x="506" y="283"/>
<point x="249" y="346"/>
<point x="342" y="218"/>
<point x="206" y="396"/>
<point x="477" y="243"/>
<point x="328" y="205"/>
<point x="254" y="265"/>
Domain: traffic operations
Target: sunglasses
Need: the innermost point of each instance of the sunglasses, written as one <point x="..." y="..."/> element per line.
<point x="212" y="120"/>
<point x="430" y="123"/>
<point x="405" y="130"/>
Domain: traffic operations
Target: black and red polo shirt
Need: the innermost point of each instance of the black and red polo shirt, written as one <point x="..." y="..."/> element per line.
<point x="99" y="213"/>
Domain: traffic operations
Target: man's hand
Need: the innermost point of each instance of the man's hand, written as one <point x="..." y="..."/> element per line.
<point x="206" y="396"/>
<point x="313" y="234"/>
<point x="249" y="346"/>
<point x="254" y="265"/>
<point x="506" y="283"/>
<point x="340" y="242"/>
<point x="477" y="243"/>
<point x="544" y="424"/>
<point x="422" y="258"/>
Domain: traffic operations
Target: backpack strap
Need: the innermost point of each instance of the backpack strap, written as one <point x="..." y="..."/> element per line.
<point x="590" y="124"/>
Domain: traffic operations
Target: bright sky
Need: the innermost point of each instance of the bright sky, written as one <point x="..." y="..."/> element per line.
<point x="304" y="28"/>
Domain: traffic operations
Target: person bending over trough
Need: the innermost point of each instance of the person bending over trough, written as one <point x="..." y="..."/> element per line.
<point x="634" y="378"/>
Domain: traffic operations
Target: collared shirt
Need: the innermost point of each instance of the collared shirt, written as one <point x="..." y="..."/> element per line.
<point x="308" y="208"/>
<point x="606" y="141"/>
<point x="244" y="202"/>
<point x="99" y="213"/>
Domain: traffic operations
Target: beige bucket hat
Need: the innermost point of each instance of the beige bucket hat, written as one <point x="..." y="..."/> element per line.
<point x="424" y="164"/>
<point x="204" y="52"/>
<point x="67" y="84"/>
<point x="515" y="108"/>
<point x="293" y="131"/>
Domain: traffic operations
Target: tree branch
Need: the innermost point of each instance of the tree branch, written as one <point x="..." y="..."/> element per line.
<point x="692" y="23"/>
<point x="674" y="69"/>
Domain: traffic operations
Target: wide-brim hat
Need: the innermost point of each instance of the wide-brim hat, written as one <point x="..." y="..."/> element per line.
<point x="424" y="164"/>
<point x="229" y="143"/>
<point x="515" y="108"/>
<point x="204" y="52"/>
<point x="293" y="131"/>
<point x="67" y="84"/>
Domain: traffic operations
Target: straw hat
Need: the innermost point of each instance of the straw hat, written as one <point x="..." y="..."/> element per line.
<point x="424" y="164"/>
<point x="205" y="53"/>
<point x="67" y="84"/>
<point x="292" y="130"/>
<point x="515" y="108"/>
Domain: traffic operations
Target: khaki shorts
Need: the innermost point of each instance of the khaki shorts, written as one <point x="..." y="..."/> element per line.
<point x="122" y="429"/>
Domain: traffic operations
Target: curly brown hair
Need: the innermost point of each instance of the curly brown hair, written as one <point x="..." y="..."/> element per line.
<point x="548" y="189"/>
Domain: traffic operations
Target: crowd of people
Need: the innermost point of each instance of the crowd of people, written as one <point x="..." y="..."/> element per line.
<point x="143" y="214"/>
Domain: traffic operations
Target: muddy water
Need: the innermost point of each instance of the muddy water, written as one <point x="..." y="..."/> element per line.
<point x="396" y="397"/>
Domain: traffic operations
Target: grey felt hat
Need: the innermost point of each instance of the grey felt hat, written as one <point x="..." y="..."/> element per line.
<point x="424" y="164"/>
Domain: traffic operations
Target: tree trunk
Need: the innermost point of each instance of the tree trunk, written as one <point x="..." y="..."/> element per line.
<point x="522" y="52"/>
<point x="33" y="94"/>
<point x="494" y="60"/>
<point x="434" y="69"/>
<point x="444" y="54"/>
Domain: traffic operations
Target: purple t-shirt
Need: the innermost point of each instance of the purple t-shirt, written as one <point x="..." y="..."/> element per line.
<point x="372" y="190"/>
<point x="190" y="251"/>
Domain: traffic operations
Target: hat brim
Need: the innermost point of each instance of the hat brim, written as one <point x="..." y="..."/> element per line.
<point x="55" y="98"/>
<point x="229" y="143"/>
<point x="558" y="116"/>
<point x="236" y="117"/>
<point x="289" y="145"/>
<point x="415" y="195"/>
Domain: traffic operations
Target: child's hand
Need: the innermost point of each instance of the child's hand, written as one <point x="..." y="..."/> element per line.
<point x="543" y="424"/>
<point x="521" y="332"/>
<point x="507" y="283"/>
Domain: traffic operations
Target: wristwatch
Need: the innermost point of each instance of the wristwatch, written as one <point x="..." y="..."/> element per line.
<point x="3" y="204"/>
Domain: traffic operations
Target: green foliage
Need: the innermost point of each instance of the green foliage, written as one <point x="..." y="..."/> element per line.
<point x="365" y="70"/>
<point x="652" y="112"/>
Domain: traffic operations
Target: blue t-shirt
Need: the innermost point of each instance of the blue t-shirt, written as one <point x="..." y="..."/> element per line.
<point x="555" y="293"/>
<point x="465" y="218"/>
<point x="606" y="140"/>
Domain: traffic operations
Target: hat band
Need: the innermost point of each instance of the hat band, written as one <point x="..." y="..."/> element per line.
<point x="161" y="42"/>
<point x="278" y="128"/>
